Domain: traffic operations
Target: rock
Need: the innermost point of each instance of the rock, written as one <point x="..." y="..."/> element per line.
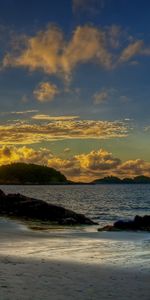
<point x="23" y="207"/>
<point x="124" y="225"/>
<point x="106" y="228"/>
<point x="2" y="194"/>
<point x="68" y="221"/>
<point x="137" y="224"/>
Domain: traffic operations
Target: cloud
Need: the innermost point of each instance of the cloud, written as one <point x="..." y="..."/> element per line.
<point x="39" y="52"/>
<point x="131" y="50"/>
<point x="24" y="112"/>
<point x="52" y="53"/>
<point x="98" y="160"/>
<point x="70" y="167"/>
<point x="134" y="167"/>
<point x="146" y="51"/>
<point x="98" y="164"/>
<point x="147" y="128"/>
<point x="67" y="150"/>
<point x="24" y="99"/>
<point x="106" y="94"/>
<point x="101" y="97"/>
<point x="30" y="133"/>
<point x="87" y="44"/>
<point x="115" y="33"/>
<point x="24" y="154"/>
<point x="45" y="91"/>
<point x="80" y="167"/>
<point x="134" y="63"/>
<point x="90" y="6"/>
<point x="54" y="118"/>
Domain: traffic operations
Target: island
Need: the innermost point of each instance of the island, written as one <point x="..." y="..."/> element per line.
<point x="24" y="174"/>
<point x="34" y="174"/>
<point x="115" y="180"/>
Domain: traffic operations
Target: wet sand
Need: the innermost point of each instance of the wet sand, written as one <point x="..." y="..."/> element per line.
<point x="76" y="265"/>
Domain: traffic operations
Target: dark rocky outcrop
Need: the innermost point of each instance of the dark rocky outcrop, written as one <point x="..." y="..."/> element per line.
<point x="138" y="224"/>
<point x="22" y="207"/>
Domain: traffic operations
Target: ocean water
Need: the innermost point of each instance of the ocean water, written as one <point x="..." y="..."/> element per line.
<point x="102" y="203"/>
<point x="85" y="245"/>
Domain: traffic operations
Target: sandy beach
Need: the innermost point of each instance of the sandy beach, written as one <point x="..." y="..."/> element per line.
<point x="62" y="265"/>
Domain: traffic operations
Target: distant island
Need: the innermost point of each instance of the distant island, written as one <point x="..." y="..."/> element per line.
<point x="22" y="173"/>
<point x="116" y="180"/>
<point x="33" y="174"/>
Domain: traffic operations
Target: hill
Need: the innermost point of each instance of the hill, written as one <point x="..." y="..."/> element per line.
<point x="116" y="180"/>
<point x="21" y="173"/>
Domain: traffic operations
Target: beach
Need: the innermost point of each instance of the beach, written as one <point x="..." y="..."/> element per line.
<point x="71" y="264"/>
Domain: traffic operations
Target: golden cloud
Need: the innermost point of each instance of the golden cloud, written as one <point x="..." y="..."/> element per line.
<point x="45" y="91"/>
<point x="96" y="160"/>
<point x="98" y="164"/>
<point x="49" y="51"/>
<point x="28" y="133"/>
<point x="81" y="167"/>
<point x="54" y="118"/>
<point x="24" y="154"/>
<point x="41" y="51"/>
<point x="131" y="50"/>
<point x="87" y="43"/>
<point x="132" y="167"/>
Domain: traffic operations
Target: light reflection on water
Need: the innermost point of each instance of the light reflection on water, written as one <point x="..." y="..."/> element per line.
<point x="102" y="203"/>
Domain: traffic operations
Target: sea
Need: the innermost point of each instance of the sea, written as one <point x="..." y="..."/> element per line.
<point x="102" y="203"/>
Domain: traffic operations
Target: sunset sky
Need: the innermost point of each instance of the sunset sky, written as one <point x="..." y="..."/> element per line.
<point x="75" y="86"/>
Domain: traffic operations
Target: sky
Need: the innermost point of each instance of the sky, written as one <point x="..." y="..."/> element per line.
<point x="75" y="86"/>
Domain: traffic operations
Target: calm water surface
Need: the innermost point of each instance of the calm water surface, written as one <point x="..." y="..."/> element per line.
<point x="102" y="203"/>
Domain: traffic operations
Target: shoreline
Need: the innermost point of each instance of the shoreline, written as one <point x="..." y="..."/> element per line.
<point x="62" y="265"/>
<point x="74" y="184"/>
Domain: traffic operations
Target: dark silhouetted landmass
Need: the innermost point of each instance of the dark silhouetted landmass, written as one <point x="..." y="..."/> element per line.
<point x="21" y="173"/>
<point x="138" y="223"/>
<point x="26" y="208"/>
<point x="116" y="180"/>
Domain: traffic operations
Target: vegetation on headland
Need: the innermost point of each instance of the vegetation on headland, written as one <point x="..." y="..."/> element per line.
<point x="23" y="174"/>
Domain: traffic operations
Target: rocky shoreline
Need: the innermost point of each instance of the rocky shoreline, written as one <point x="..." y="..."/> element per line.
<point x="38" y="211"/>
<point x="137" y="224"/>
<point x="26" y="208"/>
